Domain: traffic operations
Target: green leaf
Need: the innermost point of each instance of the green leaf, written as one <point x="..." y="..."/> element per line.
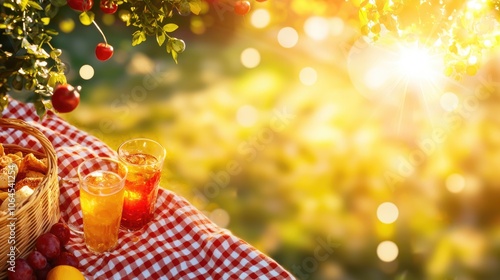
<point x="4" y="102"/>
<point x="52" y="32"/>
<point x="388" y="6"/>
<point x="178" y="45"/>
<point x="138" y="37"/>
<point x="174" y="56"/>
<point x="42" y="38"/>
<point x="30" y="83"/>
<point x="55" y="53"/>
<point x="169" y="46"/>
<point x="45" y="20"/>
<point x="40" y="108"/>
<point x="62" y="79"/>
<point x="9" y="5"/>
<point x="160" y="38"/>
<point x="86" y="18"/>
<point x="52" y="81"/>
<point x="389" y="22"/>
<point x="363" y="17"/>
<point x="25" y="43"/>
<point x="195" y="7"/>
<point x="170" y="27"/>
<point x="35" y="5"/>
<point x="51" y="10"/>
<point x="56" y="78"/>
<point x="38" y="52"/>
<point x="165" y="8"/>
<point x="58" y="3"/>
<point x="17" y="82"/>
<point x="18" y="31"/>
<point x="23" y="4"/>
<point x="125" y="17"/>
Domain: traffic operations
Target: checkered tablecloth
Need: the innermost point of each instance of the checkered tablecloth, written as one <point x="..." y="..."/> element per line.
<point x="181" y="243"/>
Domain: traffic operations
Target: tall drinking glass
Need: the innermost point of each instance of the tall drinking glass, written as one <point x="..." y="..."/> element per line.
<point x="144" y="159"/>
<point x="102" y="182"/>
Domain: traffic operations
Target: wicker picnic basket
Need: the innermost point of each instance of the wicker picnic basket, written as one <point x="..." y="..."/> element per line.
<point x="40" y="211"/>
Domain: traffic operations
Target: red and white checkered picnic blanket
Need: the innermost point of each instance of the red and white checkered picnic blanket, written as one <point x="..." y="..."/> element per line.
<point x="181" y="243"/>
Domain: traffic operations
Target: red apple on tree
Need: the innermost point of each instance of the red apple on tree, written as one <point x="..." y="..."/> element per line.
<point x="81" y="5"/>
<point x="108" y="6"/>
<point x="65" y="98"/>
<point x="103" y="51"/>
<point x="241" y="7"/>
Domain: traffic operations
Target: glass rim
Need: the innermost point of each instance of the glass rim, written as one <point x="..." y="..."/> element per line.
<point x="121" y="164"/>
<point x="160" y="161"/>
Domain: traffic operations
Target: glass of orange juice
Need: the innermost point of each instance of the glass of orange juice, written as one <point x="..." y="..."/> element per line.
<point x="144" y="159"/>
<point x="102" y="182"/>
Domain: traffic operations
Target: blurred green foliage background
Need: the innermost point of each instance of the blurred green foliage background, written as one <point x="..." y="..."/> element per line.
<point x="289" y="155"/>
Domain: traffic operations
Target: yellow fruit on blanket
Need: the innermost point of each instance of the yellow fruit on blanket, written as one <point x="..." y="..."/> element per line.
<point x="65" y="272"/>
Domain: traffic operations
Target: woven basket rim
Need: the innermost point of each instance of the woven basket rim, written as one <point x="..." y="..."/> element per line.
<point x="18" y="148"/>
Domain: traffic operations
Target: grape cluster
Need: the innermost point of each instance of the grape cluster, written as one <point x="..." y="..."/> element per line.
<point x="49" y="252"/>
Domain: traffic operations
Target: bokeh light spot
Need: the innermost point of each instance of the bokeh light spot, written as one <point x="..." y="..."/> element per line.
<point x="455" y="183"/>
<point x="317" y="28"/>
<point x="108" y="19"/>
<point x="288" y="37"/>
<point x="488" y="43"/>
<point x="449" y="101"/>
<point x="140" y="64"/>
<point x="197" y="25"/>
<point x="387" y="212"/>
<point x="247" y="116"/>
<point x="308" y="76"/>
<point x="387" y="251"/>
<point x="86" y="72"/>
<point x="472" y="60"/>
<point x="260" y="18"/>
<point x="250" y="58"/>
<point x="336" y="26"/>
<point x="220" y="217"/>
<point x="67" y="25"/>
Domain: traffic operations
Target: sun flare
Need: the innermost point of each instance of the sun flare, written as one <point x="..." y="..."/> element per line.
<point x="416" y="64"/>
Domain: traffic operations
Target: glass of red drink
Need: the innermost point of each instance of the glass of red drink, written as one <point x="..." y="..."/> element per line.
<point x="144" y="160"/>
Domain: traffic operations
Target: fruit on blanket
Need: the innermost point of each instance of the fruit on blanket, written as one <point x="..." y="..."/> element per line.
<point x="65" y="98"/>
<point x="23" y="270"/>
<point x="61" y="231"/>
<point x="48" y="245"/>
<point x="66" y="258"/>
<point x="65" y="272"/>
<point x="41" y="274"/>
<point x="50" y="253"/>
<point x="36" y="260"/>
